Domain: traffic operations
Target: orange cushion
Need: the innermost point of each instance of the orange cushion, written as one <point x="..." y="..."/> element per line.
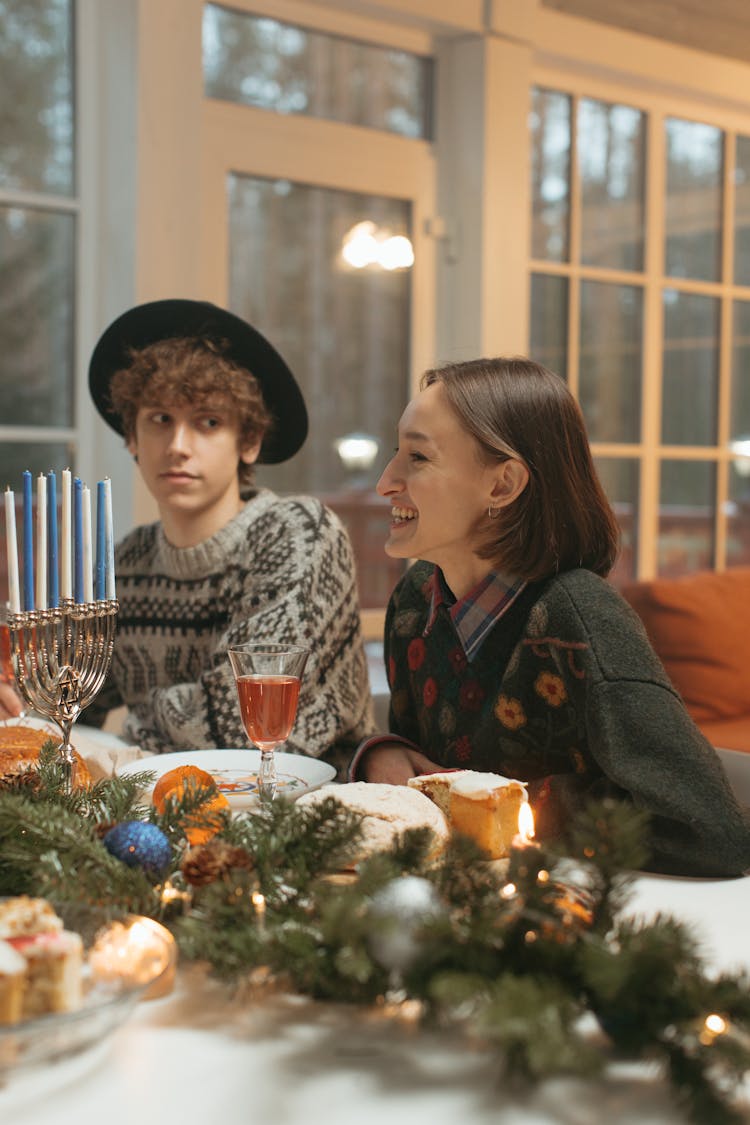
<point x="700" y="628"/>
<point x="729" y="734"/>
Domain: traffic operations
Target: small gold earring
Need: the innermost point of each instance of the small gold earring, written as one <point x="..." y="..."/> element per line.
<point x="491" y="513"/>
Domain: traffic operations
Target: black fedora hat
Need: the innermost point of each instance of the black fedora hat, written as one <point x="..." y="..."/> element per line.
<point x="176" y="318"/>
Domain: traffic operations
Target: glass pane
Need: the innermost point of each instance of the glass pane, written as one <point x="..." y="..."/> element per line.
<point x="611" y="360"/>
<point x="36" y="95"/>
<point x="37" y="249"/>
<point x="695" y="159"/>
<point x="739" y="419"/>
<point x="261" y="62"/>
<point x="611" y="158"/>
<point x="690" y="369"/>
<point x="345" y="333"/>
<point x="620" y="478"/>
<point x="550" y="174"/>
<point x="549" y="322"/>
<point x="15" y="457"/>
<point x="738" y="513"/>
<point x="742" y="212"/>
<point x="686" y="517"/>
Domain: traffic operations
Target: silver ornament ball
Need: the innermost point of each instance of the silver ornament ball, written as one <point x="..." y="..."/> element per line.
<point x="399" y="910"/>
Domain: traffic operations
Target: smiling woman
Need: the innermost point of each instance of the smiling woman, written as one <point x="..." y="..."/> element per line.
<point x="507" y="651"/>
<point x="442" y="488"/>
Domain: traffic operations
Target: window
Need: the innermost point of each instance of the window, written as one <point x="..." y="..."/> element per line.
<point x="262" y="62"/>
<point x="645" y="314"/>
<point x="343" y="327"/>
<point x="322" y="179"/>
<point x="38" y="221"/>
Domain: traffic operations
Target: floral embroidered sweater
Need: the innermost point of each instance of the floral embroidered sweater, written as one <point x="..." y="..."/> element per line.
<point x="567" y="694"/>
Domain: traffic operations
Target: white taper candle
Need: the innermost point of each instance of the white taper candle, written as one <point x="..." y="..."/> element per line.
<point x="14" y="586"/>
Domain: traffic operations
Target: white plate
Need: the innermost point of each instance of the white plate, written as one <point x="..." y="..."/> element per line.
<point x="236" y="772"/>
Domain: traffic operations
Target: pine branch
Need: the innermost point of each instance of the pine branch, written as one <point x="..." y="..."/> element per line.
<point x="515" y="957"/>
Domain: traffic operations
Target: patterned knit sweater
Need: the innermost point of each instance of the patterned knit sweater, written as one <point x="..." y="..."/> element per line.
<point x="281" y="570"/>
<point x="567" y="694"/>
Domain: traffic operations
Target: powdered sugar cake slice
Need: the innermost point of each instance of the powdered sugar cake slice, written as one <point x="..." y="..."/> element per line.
<point x="484" y="806"/>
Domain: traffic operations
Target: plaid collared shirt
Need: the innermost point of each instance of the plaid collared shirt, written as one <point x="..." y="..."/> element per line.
<point x="475" y="614"/>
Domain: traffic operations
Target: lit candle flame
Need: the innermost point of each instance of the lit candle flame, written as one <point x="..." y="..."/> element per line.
<point x="259" y="904"/>
<point x="525" y="823"/>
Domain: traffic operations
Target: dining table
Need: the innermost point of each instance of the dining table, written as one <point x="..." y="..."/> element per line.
<point x="210" y="1052"/>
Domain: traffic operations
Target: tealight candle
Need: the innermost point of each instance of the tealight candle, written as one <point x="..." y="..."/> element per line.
<point x="137" y="951"/>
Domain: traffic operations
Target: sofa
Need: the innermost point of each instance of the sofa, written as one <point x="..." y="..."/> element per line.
<point x="699" y="626"/>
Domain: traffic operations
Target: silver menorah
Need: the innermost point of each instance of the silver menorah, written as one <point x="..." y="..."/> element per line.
<point x="61" y="658"/>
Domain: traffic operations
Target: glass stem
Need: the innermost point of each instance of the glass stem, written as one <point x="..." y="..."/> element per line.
<point x="267" y="776"/>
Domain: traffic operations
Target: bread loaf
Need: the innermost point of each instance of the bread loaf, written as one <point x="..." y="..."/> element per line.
<point x="388" y="810"/>
<point x="20" y="746"/>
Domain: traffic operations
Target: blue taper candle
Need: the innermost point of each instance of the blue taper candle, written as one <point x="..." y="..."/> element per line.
<point x="53" y="579"/>
<point x="101" y="544"/>
<point x="78" y="540"/>
<point x="28" y="543"/>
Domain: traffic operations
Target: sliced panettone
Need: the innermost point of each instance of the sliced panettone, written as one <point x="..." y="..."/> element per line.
<point x="483" y="806"/>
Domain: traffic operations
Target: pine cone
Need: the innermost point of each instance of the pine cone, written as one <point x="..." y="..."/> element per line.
<point x="209" y="862"/>
<point x="26" y="780"/>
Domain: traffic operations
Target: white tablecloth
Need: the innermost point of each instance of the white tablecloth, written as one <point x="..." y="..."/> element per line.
<point x="203" y="1055"/>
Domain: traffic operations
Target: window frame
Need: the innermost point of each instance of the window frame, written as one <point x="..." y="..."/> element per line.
<point x="657" y="106"/>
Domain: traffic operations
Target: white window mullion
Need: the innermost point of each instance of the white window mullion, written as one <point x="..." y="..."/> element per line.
<point x="574" y="236"/>
<point x="725" y="350"/>
<point x="653" y="330"/>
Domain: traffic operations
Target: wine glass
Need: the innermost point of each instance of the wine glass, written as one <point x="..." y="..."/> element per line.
<point x="268" y="681"/>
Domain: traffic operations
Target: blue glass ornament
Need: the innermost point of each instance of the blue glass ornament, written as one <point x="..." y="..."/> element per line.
<point x="139" y="844"/>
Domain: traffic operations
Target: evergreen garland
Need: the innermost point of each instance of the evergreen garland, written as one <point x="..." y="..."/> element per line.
<point x="522" y="955"/>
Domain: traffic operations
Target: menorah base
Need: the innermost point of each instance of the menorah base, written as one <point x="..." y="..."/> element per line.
<point x="60" y="659"/>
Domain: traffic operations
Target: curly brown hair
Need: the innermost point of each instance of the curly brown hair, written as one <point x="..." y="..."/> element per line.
<point x="516" y="409"/>
<point x="190" y="370"/>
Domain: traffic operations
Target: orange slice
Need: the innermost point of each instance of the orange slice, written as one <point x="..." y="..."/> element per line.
<point x="176" y="779"/>
<point x="201" y="825"/>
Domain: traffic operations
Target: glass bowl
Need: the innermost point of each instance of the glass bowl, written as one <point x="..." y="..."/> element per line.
<point x="125" y="960"/>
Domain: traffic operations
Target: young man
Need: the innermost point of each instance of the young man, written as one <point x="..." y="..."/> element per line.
<point x="200" y="397"/>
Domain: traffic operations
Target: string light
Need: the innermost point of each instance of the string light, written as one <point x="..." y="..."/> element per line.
<point x="259" y="903"/>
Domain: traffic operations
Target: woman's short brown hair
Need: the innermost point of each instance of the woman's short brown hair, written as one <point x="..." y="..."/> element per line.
<point x="188" y="370"/>
<point x="517" y="409"/>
